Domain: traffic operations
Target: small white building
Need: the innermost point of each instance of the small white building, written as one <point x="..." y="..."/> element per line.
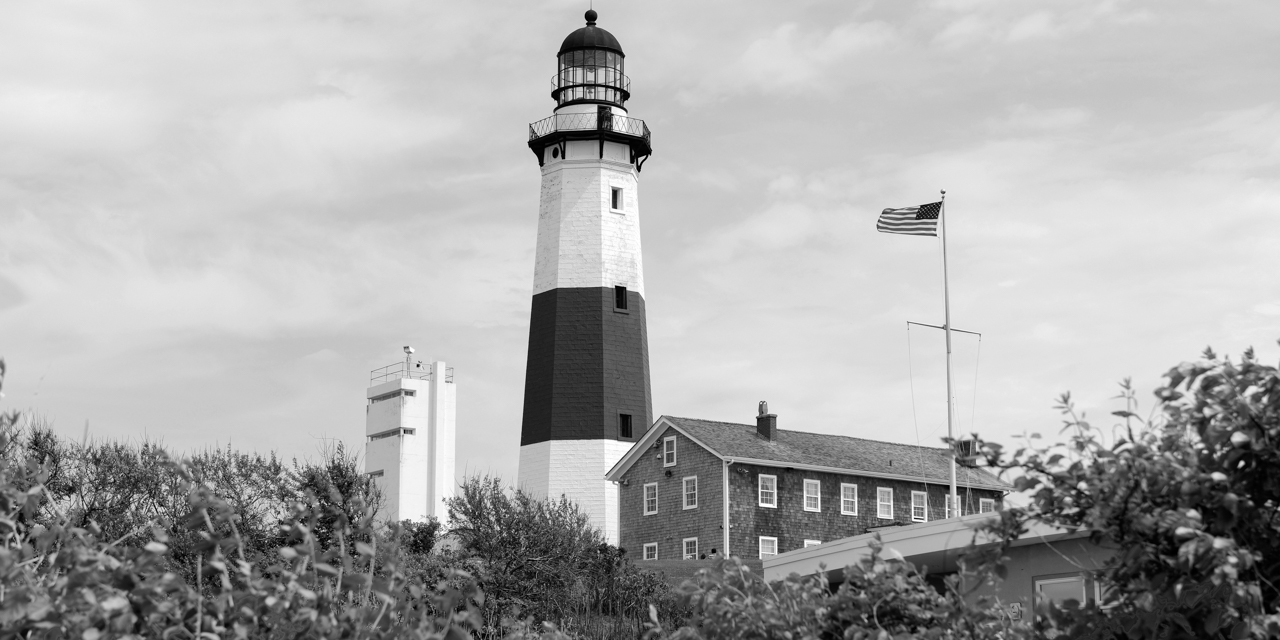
<point x="410" y="426"/>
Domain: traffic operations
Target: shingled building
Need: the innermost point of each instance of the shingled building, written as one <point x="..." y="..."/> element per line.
<point x="690" y="488"/>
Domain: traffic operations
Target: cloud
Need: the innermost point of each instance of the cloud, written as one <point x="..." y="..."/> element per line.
<point x="1022" y="117"/>
<point x="1035" y="26"/>
<point x="218" y="217"/>
<point x="967" y="30"/>
<point x="791" y="59"/>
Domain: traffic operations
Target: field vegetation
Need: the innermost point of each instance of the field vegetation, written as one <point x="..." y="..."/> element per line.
<point x="107" y="540"/>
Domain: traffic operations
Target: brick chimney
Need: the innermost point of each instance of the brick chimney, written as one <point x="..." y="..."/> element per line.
<point x="766" y="423"/>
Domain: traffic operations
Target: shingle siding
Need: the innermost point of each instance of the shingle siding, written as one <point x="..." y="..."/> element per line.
<point x="792" y="525"/>
<point x="672" y="524"/>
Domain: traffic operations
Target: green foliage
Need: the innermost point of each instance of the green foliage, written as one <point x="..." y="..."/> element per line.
<point x="337" y="490"/>
<point x="103" y="539"/>
<point x="59" y="579"/>
<point x="882" y="597"/>
<point x="419" y="538"/>
<point x="543" y="557"/>
<point x="109" y="539"/>
<point x="1188" y="500"/>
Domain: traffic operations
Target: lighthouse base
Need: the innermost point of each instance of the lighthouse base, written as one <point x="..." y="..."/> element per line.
<point x="575" y="469"/>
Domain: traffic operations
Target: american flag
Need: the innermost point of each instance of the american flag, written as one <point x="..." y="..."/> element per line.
<point x="912" y="221"/>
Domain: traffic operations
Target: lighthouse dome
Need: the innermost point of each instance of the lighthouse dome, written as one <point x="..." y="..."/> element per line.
<point x="590" y="37"/>
<point x="590" y="68"/>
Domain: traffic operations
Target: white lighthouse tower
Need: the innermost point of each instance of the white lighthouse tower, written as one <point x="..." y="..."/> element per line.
<point x="587" y="396"/>
<point x="409" y="428"/>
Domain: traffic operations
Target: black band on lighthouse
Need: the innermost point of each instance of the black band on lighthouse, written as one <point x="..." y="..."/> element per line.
<point x="588" y="363"/>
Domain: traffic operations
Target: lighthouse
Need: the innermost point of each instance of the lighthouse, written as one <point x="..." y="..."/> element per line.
<point x="586" y="394"/>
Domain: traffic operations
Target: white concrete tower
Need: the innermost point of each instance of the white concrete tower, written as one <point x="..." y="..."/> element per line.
<point x="410" y="423"/>
<point x="587" y="396"/>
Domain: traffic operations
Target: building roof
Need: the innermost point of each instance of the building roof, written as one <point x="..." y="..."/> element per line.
<point x="819" y="450"/>
<point x="933" y="544"/>
<point x="590" y="37"/>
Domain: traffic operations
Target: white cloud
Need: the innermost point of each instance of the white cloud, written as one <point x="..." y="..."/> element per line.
<point x="1035" y="26"/>
<point x="1024" y="116"/>
<point x="965" y="31"/>
<point x="791" y="59"/>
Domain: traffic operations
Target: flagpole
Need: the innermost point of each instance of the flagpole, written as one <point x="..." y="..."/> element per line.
<point x="946" y="303"/>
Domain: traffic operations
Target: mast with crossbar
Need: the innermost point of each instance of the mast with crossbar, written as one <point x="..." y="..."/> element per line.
<point x="946" y="322"/>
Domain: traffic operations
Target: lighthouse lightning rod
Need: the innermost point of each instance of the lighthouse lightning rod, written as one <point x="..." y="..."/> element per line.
<point x="946" y="303"/>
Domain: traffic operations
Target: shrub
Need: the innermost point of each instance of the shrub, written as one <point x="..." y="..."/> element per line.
<point x="1189" y="499"/>
<point x="543" y="557"/>
<point x="237" y="545"/>
<point x="882" y="597"/>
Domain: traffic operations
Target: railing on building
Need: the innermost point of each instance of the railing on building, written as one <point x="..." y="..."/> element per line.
<point x="401" y="370"/>
<point x="601" y="121"/>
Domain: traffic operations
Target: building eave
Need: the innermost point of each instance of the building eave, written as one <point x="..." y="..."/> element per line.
<point x="651" y="436"/>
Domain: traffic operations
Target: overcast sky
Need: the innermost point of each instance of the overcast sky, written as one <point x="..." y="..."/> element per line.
<point x="217" y="216"/>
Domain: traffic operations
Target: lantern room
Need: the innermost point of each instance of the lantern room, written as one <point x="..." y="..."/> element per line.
<point x="590" y="68"/>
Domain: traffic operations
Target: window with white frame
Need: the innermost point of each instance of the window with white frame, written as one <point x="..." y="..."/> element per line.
<point x="768" y="491"/>
<point x="651" y="498"/>
<point x="651" y="551"/>
<point x="691" y="492"/>
<point x="848" y="499"/>
<point x="947" y="501"/>
<point x="768" y="547"/>
<point x="669" y="451"/>
<point x="812" y="495"/>
<point x="884" y="503"/>
<point x="812" y="543"/>
<point x="986" y="505"/>
<point x="919" y="506"/>
<point x="690" y="548"/>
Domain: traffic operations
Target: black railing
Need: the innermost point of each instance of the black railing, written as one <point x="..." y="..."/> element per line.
<point x="589" y="122"/>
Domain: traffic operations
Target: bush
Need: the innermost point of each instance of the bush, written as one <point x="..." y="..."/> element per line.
<point x="543" y="558"/>
<point x="882" y="597"/>
<point x="1189" y="499"/>
<point x="238" y="545"/>
<point x="103" y="538"/>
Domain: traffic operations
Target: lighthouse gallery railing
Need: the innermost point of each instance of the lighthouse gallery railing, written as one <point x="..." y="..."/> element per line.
<point x="589" y="122"/>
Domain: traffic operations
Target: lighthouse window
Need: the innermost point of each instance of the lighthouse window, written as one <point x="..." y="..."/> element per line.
<point x="620" y="297"/>
<point x="624" y="425"/>
<point x="615" y="198"/>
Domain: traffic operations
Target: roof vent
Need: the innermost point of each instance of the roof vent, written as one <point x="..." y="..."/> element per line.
<point x="766" y="423"/>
